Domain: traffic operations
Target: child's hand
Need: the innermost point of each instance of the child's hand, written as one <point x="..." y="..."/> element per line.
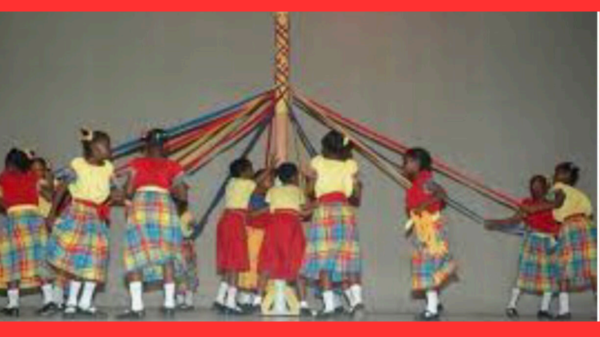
<point x="489" y="224"/>
<point x="50" y="221"/>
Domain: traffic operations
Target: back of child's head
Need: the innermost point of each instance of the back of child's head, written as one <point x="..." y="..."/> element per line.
<point x="239" y="167"/>
<point x="287" y="173"/>
<point x="569" y="170"/>
<point x="91" y="137"/>
<point x="155" y="138"/>
<point x="421" y="156"/>
<point x="538" y="178"/>
<point x="333" y="145"/>
<point x="18" y="159"/>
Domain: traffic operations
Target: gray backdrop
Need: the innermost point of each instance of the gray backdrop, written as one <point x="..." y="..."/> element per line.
<point x="501" y="96"/>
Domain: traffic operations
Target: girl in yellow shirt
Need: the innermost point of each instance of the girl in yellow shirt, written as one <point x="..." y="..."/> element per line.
<point x="576" y="253"/>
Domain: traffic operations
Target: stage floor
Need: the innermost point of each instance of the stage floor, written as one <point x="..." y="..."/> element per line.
<point x="206" y="315"/>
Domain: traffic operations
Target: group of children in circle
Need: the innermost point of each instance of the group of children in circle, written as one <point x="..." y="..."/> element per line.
<point x="55" y="235"/>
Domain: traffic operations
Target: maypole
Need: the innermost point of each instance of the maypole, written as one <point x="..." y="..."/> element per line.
<point x="282" y="83"/>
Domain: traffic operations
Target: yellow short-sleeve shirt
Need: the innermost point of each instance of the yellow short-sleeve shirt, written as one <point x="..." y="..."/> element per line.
<point x="285" y="197"/>
<point x="92" y="183"/>
<point x="334" y="175"/>
<point x="238" y="193"/>
<point x="576" y="202"/>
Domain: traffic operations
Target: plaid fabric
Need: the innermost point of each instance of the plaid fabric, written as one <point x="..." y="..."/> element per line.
<point x="23" y="240"/>
<point x="430" y="270"/>
<point x="332" y="243"/>
<point x="537" y="264"/>
<point x="188" y="279"/>
<point x="153" y="236"/>
<point x="79" y="243"/>
<point x="249" y="280"/>
<point x="577" y="254"/>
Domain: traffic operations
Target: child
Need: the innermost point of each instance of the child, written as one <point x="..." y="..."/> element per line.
<point x="432" y="263"/>
<point x="78" y="245"/>
<point x="255" y="229"/>
<point x="153" y="236"/>
<point x="23" y="237"/>
<point x="577" y="240"/>
<point x="283" y="248"/>
<point x="332" y="252"/>
<point x="188" y="281"/>
<point x="536" y="260"/>
<point x="232" y="246"/>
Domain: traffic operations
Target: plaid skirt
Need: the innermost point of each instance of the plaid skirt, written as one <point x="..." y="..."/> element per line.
<point x="249" y="280"/>
<point x="332" y="244"/>
<point x="153" y="236"/>
<point x="537" y="264"/>
<point x="188" y="278"/>
<point x="232" y="244"/>
<point x="282" y="251"/>
<point x="577" y="254"/>
<point x="431" y="266"/>
<point x="23" y="240"/>
<point x="79" y="243"/>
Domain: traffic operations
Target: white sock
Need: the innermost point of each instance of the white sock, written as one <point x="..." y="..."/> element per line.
<point x="58" y="295"/>
<point x="74" y="288"/>
<point x="13" y="298"/>
<point x="135" y="291"/>
<point x="170" y="295"/>
<point x="516" y="292"/>
<point x="189" y="298"/>
<point x="47" y="293"/>
<point x="546" y="299"/>
<point x="222" y="292"/>
<point x="180" y="299"/>
<point x="432" y="301"/>
<point x="356" y="294"/>
<point x="85" y="302"/>
<point x="231" y="294"/>
<point x="244" y="298"/>
<point x="350" y="296"/>
<point x="257" y="301"/>
<point x="563" y="303"/>
<point x="303" y="305"/>
<point x="337" y="301"/>
<point x="328" y="301"/>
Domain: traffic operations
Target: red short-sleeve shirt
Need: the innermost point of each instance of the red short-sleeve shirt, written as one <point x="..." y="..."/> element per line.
<point x="159" y="172"/>
<point x="541" y="221"/>
<point x="19" y="188"/>
<point x="417" y="194"/>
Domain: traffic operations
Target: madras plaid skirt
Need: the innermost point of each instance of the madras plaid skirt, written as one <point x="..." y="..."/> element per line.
<point x="23" y="240"/>
<point x="431" y="269"/>
<point x="249" y="280"/>
<point x="332" y="244"/>
<point x="188" y="278"/>
<point x="537" y="264"/>
<point x="577" y="254"/>
<point x="153" y="236"/>
<point x="79" y="243"/>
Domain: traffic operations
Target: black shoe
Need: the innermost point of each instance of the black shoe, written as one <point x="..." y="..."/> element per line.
<point x="167" y="312"/>
<point x="11" y="312"/>
<point x="325" y="314"/>
<point x="48" y="309"/>
<point x="306" y="312"/>
<point x="91" y="313"/>
<point x="564" y="317"/>
<point x="544" y="316"/>
<point x="339" y="311"/>
<point x="131" y="315"/>
<point x="357" y="309"/>
<point x="512" y="313"/>
<point x="235" y="311"/>
<point x="185" y="307"/>
<point x="427" y="316"/>
<point x="440" y="308"/>
<point x="218" y="307"/>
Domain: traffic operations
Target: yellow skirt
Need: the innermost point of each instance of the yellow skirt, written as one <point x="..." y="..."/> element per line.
<point x="249" y="279"/>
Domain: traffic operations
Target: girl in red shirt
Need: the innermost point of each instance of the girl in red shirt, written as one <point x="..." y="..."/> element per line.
<point x="536" y="259"/>
<point x="153" y="236"/>
<point x="23" y="236"/>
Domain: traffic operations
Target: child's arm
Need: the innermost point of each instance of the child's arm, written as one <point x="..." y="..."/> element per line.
<point x="547" y="205"/>
<point x="438" y="194"/>
<point x="516" y="218"/>
<point x="59" y="194"/>
<point x="2" y="208"/>
<point x="356" y="197"/>
<point x="47" y="186"/>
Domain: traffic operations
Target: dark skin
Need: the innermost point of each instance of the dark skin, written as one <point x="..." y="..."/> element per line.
<point x="45" y="175"/>
<point x="538" y="190"/>
<point x="179" y="193"/>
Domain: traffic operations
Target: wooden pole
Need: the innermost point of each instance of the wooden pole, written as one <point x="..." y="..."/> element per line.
<point x="282" y="84"/>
